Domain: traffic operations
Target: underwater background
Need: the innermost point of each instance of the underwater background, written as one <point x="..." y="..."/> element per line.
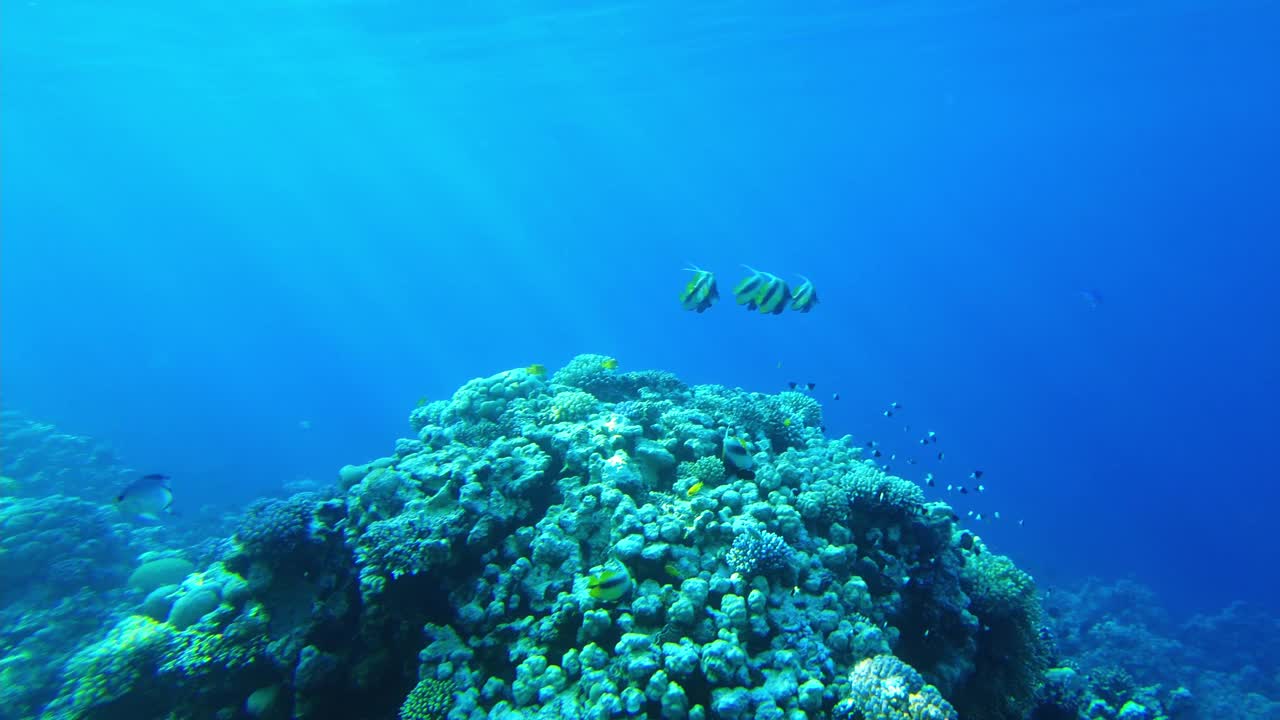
<point x="241" y="243"/>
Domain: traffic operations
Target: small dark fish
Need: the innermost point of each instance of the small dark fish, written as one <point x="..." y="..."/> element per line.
<point x="966" y="540"/>
<point x="835" y="396"/>
<point x="885" y="467"/>
<point x="933" y="436"/>
<point x="911" y="461"/>
<point x="792" y="385"/>
<point x="964" y="490"/>
<point x="875" y="453"/>
<point x="924" y="441"/>
<point x="872" y="443"/>
<point x="941" y="455"/>
<point x="928" y="478"/>
<point x="888" y="413"/>
<point x="895" y="405"/>
<point x="811" y="386"/>
<point x="975" y="475"/>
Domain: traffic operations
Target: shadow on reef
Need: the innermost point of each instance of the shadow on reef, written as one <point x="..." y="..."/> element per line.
<point x="596" y="544"/>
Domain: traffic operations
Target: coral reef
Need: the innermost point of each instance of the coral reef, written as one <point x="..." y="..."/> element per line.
<point x="461" y="576"/>
<point x="1125" y="658"/>
<point x="41" y="460"/>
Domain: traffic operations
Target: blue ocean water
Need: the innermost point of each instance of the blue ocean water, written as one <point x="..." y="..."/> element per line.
<point x="239" y="242"/>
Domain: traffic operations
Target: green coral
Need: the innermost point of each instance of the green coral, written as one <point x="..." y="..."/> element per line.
<point x="707" y="469"/>
<point x="800" y="408"/>
<point x="158" y="573"/>
<point x="790" y="417"/>
<point x="571" y="406"/>
<point x="596" y="374"/>
<point x="866" y="485"/>
<point x="862" y="487"/>
<point x="430" y="699"/>
<point x="108" y="670"/>
<point x="1011" y="656"/>
<point x="886" y="688"/>
<point x="407" y="544"/>
<point x="592" y="373"/>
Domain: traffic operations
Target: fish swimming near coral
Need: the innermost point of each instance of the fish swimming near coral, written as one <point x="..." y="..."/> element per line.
<point x="701" y="292"/>
<point x="694" y="489"/>
<point x="609" y="363"/>
<point x="146" y="498"/>
<point x="804" y="297"/>
<point x="610" y="583"/>
<point x="537" y="370"/>
<point x="737" y="456"/>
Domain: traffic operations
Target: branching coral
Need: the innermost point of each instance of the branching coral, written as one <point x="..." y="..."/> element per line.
<point x="430" y="699"/>
<point x="759" y="553"/>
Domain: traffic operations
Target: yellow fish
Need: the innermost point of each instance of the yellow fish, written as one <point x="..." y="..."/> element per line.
<point x="694" y="488"/>
<point x="786" y="423"/>
<point x="537" y="370"/>
<point x="673" y="571"/>
<point x="422" y="402"/>
<point x="609" y="363"/>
